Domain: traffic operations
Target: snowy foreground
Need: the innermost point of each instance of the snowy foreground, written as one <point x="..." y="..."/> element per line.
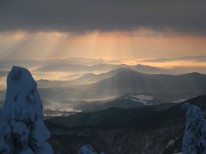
<point x="194" y="141"/>
<point x="22" y="130"/>
<point x="87" y="149"/>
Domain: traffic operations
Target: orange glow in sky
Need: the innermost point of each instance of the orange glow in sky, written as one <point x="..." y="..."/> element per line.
<point x="127" y="46"/>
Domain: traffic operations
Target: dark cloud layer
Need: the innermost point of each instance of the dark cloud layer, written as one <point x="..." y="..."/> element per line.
<point x="86" y="15"/>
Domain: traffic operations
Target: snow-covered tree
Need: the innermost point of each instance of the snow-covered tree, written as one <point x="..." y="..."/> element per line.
<point x="194" y="140"/>
<point x="22" y="130"/>
<point x="86" y="149"/>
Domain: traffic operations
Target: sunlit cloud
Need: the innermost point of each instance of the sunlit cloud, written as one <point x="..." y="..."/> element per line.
<point x="137" y="46"/>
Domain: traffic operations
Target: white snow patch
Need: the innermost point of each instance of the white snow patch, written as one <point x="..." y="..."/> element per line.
<point x="86" y="149"/>
<point x="27" y="151"/>
<point x="180" y="100"/>
<point x="170" y="143"/>
<point x="134" y="99"/>
<point x="142" y="98"/>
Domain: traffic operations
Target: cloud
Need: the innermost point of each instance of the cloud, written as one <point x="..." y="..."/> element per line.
<point x="157" y="60"/>
<point x="184" y="69"/>
<point x="187" y="58"/>
<point x="184" y="16"/>
<point x="3" y="74"/>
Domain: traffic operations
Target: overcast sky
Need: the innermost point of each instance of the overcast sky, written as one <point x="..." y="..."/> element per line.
<point x="121" y="29"/>
<point x="185" y="16"/>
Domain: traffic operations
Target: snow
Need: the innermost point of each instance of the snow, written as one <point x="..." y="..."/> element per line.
<point x="86" y="149"/>
<point x="18" y="104"/>
<point x="180" y="100"/>
<point x="27" y="151"/>
<point x="40" y="133"/>
<point x="134" y="99"/>
<point x="45" y="149"/>
<point x="170" y="143"/>
<point x="195" y="132"/>
<point x="22" y="129"/>
<point x="142" y="98"/>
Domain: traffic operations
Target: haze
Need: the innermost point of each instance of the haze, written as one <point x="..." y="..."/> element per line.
<point x="127" y="31"/>
<point x="67" y="42"/>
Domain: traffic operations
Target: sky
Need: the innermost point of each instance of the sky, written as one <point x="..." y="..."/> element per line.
<point x="159" y="33"/>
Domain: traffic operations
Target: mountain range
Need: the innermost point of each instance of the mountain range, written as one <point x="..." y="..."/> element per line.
<point x="116" y="88"/>
<point x="69" y="67"/>
<point x="112" y="129"/>
<point x="130" y="81"/>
